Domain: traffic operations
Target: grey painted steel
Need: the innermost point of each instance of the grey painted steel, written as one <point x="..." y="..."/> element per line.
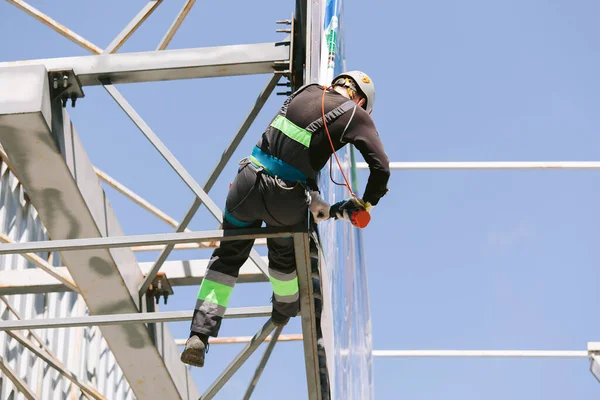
<point x="164" y="151"/>
<point x="225" y="157"/>
<point x="176" y="24"/>
<point x="57" y="365"/>
<point x="62" y="30"/>
<point x="126" y="319"/>
<point x="179" y="273"/>
<point x="51" y="163"/>
<point x="18" y="382"/>
<point x="176" y="165"/>
<point x="263" y="363"/>
<point x="43" y="266"/>
<point x="314" y="30"/>
<point x="132" y="26"/>
<point x="72" y="347"/>
<point x="142" y="240"/>
<point x="168" y="65"/>
<point x="237" y="362"/>
<point x="88" y="390"/>
<point x="307" y="309"/>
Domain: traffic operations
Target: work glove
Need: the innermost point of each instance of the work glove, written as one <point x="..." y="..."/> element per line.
<point x="344" y="209"/>
<point x="318" y="207"/>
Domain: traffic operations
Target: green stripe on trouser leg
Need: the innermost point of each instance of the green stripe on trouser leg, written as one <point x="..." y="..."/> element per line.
<point x="285" y="291"/>
<point x="215" y="292"/>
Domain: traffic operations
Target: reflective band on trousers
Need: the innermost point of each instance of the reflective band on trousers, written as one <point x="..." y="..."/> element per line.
<point x="291" y="130"/>
<point x="285" y="288"/>
<point x="215" y="292"/>
<point x="284" y="285"/>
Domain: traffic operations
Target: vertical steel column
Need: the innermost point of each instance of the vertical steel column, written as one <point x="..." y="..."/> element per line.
<point x="307" y="309"/>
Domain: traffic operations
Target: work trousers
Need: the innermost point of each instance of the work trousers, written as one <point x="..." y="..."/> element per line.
<point x="254" y="197"/>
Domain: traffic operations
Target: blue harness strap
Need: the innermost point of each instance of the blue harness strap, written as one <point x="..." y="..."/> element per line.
<point x="273" y="166"/>
<point x="234" y="221"/>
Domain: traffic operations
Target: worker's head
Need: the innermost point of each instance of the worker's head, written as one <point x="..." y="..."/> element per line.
<point x="359" y="87"/>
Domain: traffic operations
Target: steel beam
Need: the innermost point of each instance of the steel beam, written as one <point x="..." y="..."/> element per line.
<point x="135" y="23"/>
<point x="427" y="165"/>
<point x="61" y="29"/>
<point x="18" y="382"/>
<point x="179" y="273"/>
<point x="238" y="361"/>
<point x="294" y="337"/>
<point x="57" y="365"/>
<point x="177" y="167"/>
<point x="88" y="391"/>
<point x="176" y="24"/>
<point x="483" y="353"/>
<point x="54" y="169"/>
<point x="137" y="199"/>
<point x="93" y="243"/>
<point x="225" y="157"/>
<point x="168" y="65"/>
<point x="307" y="309"/>
<point x="263" y="363"/>
<point x="127" y="319"/>
<point x="67" y="281"/>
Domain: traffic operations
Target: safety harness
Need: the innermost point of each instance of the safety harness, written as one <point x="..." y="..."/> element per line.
<point x="297" y="167"/>
<point x="295" y="142"/>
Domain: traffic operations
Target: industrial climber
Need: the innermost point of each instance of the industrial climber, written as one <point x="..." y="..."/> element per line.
<point x="278" y="182"/>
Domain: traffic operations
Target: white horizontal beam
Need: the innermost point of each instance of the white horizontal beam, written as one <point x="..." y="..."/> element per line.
<point x="179" y="273"/>
<point x="294" y="337"/>
<point x="127" y="318"/>
<point x="165" y="65"/>
<point x="483" y="353"/>
<point x="142" y="240"/>
<point x="490" y="165"/>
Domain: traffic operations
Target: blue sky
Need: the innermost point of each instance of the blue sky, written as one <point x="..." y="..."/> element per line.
<point x="456" y="260"/>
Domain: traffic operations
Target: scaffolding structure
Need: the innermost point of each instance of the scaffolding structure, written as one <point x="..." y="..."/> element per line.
<point x="41" y="148"/>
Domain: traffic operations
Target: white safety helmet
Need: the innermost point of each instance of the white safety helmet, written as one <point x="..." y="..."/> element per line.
<point x="365" y="85"/>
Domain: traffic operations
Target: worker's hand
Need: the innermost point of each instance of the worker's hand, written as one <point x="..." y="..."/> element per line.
<point x="318" y="207"/>
<point x="344" y="209"/>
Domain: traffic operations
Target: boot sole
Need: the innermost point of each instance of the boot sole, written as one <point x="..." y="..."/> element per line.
<point x="193" y="357"/>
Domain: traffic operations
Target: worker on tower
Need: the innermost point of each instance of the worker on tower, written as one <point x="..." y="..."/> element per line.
<point x="278" y="182"/>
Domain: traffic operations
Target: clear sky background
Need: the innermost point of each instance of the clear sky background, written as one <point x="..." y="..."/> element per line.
<point x="456" y="260"/>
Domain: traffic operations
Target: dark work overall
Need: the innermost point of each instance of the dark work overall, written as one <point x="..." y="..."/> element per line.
<point x="270" y="187"/>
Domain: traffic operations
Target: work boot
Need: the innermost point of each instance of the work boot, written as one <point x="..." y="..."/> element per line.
<point x="278" y="318"/>
<point x="194" y="351"/>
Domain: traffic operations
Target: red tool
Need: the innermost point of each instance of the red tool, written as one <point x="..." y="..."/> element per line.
<point x="360" y="218"/>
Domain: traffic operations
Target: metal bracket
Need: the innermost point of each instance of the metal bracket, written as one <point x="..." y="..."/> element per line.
<point x="285" y="67"/>
<point x="65" y="85"/>
<point x="160" y="286"/>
